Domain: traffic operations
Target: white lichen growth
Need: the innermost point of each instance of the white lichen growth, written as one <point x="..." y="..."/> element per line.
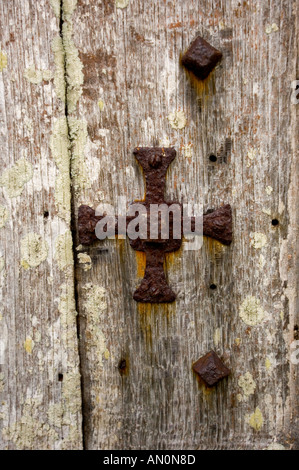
<point x="261" y="262"/>
<point x="122" y="3"/>
<point x="266" y="211"/>
<point x="3" y="216"/>
<point x="258" y="240"/>
<point x="275" y="446"/>
<point x="64" y="251"/>
<point x="248" y="386"/>
<point x="177" y="120"/>
<point x="251" y="311"/>
<point x="36" y="76"/>
<point x="255" y="420"/>
<point x="251" y="155"/>
<point x="269" y="190"/>
<point x="85" y="260"/>
<point x="34" y="250"/>
<point x="14" y="179"/>
<point x="3" y="60"/>
<point x="187" y="150"/>
<point x="60" y="147"/>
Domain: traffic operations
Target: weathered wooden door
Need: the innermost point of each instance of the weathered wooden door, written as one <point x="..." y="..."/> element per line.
<point x="83" y="82"/>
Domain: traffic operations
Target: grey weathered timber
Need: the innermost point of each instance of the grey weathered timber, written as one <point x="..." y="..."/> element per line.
<point x="243" y="114"/>
<point x="40" y="395"/>
<point x="84" y="83"/>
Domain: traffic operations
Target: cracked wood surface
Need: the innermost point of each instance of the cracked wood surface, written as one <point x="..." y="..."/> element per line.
<point x="139" y="390"/>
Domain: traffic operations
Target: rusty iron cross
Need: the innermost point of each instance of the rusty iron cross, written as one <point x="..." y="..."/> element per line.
<point x="217" y="225"/>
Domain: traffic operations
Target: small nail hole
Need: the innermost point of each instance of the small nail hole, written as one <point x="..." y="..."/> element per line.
<point x="122" y="365"/>
<point x="213" y="158"/>
<point x="275" y="222"/>
<point x="60" y="377"/>
<point x="46" y="214"/>
<point x="213" y="287"/>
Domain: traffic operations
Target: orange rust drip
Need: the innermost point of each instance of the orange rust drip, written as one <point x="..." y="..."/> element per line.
<point x="141" y="263"/>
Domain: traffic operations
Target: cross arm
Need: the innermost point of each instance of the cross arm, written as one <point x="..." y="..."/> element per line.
<point x="216" y="224"/>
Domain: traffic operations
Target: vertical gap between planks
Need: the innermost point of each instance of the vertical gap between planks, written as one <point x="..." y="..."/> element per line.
<point x="73" y="221"/>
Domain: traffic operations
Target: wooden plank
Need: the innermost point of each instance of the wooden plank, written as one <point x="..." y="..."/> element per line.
<point x="133" y="81"/>
<point x="39" y="367"/>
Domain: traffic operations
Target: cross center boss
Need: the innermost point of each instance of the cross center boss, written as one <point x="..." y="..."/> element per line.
<point x="217" y="225"/>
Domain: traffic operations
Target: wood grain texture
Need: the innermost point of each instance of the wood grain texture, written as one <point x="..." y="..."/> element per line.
<point x="58" y="123"/>
<point x="40" y="382"/>
<point x="244" y="115"/>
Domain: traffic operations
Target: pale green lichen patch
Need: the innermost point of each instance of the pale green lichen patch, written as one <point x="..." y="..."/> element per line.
<point x="67" y="310"/>
<point x="34" y="250"/>
<point x="55" y="414"/>
<point x="85" y="260"/>
<point x="177" y="120"/>
<point x="3" y="60"/>
<point x="31" y="432"/>
<point x="251" y="155"/>
<point x="78" y="136"/>
<point x="1" y="264"/>
<point x="248" y="386"/>
<point x="217" y="336"/>
<point x="69" y="78"/>
<point x="258" y="240"/>
<point x="71" y="391"/>
<point x="36" y="76"/>
<point x="276" y="446"/>
<point x="251" y="311"/>
<point x="69" y="6"/>
<point x="122" y="3"/>
<point x="255" y="420"/>
<point x="3" y="216"/>
<point x="14" y="179"/>
<point x="1" y="382"/>
<point x="95" y="305"/>
<point x="59" y="61"/>
<point x="271" y="28"/>
<point x="55" y="4"/>
<point x="60" y="147"/>
<point x="64" y="251"/>
<point x="73" y="67"/>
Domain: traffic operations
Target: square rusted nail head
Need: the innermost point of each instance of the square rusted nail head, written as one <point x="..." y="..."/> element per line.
<point x="201" y="58"/>
<point x="211" y="369"/>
